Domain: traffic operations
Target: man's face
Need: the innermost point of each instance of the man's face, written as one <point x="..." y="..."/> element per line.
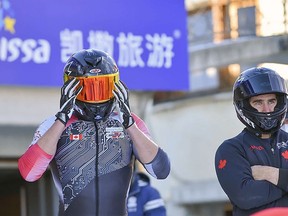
<point x="264" y="103"/>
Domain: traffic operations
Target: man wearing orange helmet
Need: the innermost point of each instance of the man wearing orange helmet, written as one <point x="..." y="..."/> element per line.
<point x="92" y="142"/>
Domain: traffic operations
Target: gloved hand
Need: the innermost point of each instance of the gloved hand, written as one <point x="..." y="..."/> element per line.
<point x="122" y="96"/>
<point x="67" y="100"/>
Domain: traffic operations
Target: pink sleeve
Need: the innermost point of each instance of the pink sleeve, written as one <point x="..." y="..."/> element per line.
<point x="33" y="163"/>
<point x="141" y="124"/>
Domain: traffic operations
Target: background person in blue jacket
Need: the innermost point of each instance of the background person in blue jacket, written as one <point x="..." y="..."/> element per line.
<point x="252" y="167"/>
<point x="144" y="199"/>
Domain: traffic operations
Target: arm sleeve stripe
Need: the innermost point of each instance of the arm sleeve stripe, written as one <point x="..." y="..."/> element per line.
<point x="141" y="125"/>
<point x="153" y="204"/>
<point x="33" y="163"/>
<point x="160" y="165"/>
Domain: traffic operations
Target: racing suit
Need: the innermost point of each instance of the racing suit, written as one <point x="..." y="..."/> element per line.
<point x="233" y="161"/>
<point x="92" y="167"/>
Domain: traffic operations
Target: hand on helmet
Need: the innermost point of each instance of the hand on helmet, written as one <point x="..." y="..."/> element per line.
<point x="67" y="100"/>
<point x="122" y="96"/>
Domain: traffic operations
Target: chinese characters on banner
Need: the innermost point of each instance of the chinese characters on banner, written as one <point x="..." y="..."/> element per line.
<point x="149" y="44"/>
<point x="160" y="47"/>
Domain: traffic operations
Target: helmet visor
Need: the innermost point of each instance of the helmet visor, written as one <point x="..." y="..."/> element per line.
<point x="97" y="89"/>
<point x="263" y="84"/>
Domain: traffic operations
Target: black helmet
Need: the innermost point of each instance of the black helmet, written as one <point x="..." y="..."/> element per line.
<point x="97" y="73"/>
<point x="257" y="81"/>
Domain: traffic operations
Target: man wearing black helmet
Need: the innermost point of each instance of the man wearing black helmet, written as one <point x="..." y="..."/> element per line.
<point x="252" y="167"/>
<point x="92" y="142"/>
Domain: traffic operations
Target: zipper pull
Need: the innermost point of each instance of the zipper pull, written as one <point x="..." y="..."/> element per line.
<point x="272" y="149"/>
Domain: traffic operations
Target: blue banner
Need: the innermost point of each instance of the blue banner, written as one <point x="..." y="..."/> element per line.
<point x="147" y="39"/>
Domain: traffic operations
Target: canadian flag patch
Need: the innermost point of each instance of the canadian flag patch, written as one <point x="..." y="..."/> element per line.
<point x="76" y="136"/>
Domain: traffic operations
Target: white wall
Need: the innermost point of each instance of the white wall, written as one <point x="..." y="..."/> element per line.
<point x="27" y="106"/>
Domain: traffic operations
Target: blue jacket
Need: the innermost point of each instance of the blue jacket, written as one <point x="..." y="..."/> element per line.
<point x="144" y="200"/>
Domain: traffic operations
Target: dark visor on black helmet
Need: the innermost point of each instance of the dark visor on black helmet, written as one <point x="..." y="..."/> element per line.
<point x="266" y="83"/>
